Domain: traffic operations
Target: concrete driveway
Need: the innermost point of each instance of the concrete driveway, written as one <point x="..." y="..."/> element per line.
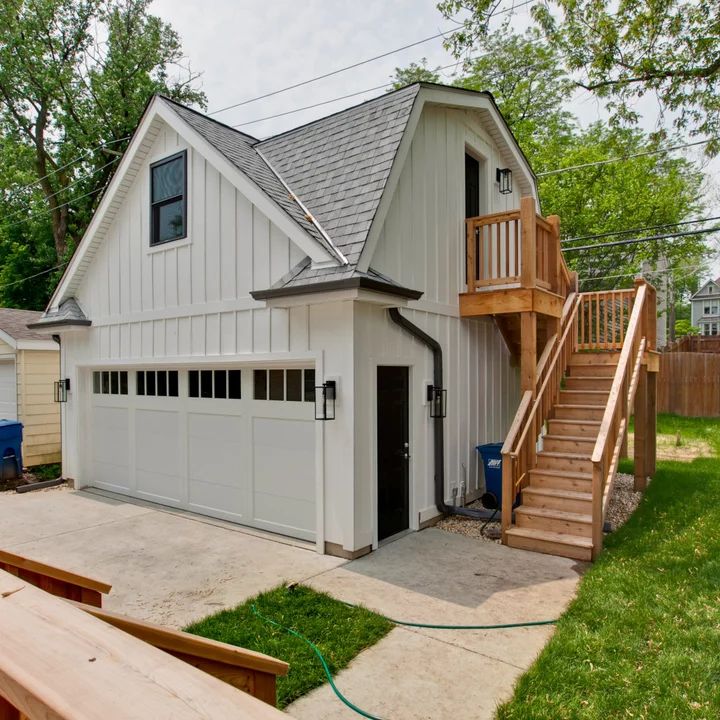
<point x="173" y="568"/>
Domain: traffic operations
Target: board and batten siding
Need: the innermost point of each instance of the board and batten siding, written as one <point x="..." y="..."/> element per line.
<point x="37" y="371"/>
<point x="189" y="297"/>
<point x="421" y="245"/>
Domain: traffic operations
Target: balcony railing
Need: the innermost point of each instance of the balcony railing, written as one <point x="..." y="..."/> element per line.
<point x="518" y="248"/>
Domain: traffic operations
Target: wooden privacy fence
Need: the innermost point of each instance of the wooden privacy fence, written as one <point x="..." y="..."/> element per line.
<point x="689" y="384"/>
<point x="695" y="344"/>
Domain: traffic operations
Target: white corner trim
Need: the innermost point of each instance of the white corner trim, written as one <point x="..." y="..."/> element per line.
<point x="8" y="339"/>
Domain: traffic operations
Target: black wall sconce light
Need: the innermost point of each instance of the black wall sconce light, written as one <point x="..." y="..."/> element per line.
<point x="437" y="399"/>
<point x="325" y="400"/>
<point x="62" y="388"/>
<point x="503" y="176"/>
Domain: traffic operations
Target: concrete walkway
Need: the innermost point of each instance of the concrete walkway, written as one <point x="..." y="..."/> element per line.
<point x="173" y="568"/>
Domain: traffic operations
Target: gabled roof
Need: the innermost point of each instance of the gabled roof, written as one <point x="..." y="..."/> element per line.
<point x="339" y="167"/>
<point x="69" y="313"/>
<point x="697" y="295"/>
<point x="15" y="324"/>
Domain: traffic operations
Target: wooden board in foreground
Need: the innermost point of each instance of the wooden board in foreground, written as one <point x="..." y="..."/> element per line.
<point x="60" y="663"/>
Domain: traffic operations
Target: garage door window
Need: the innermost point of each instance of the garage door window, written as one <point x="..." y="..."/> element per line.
<point x="222" y="384"/>
<point x="160" y="383"/>
<point x="110" y="382"/>
<point x="292" y="385"/>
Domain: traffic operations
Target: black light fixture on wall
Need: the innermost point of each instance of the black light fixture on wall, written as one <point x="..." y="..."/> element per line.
<point x="437" y="399"/>
<point x="61" y="390"/>
<point x="503" y="176"/>
<point x="325" y="400"/>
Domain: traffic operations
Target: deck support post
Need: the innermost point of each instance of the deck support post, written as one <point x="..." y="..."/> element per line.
<point x="651" y="422"/>
<point x="641" y="428"/>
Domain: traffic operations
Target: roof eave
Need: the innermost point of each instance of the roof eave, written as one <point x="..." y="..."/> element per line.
<point x="353" y="283"/>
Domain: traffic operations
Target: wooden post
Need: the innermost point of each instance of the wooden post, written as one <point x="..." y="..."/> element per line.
<point x="528" y="351"/>
<point x="507" y="495"/>
<point x="554" y="253"/>
<point x="471" y="249"/>
<point x="8" y="711"/>
<point x="528" y="254"/>
<point x="651" y="421"/>
<point x="641" y="428"/>
<point x="597" y="509"/>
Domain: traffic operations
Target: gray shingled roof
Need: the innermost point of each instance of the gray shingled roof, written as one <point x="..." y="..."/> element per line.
<point x="237" y="147"/>
<point x="69" y="313"/>
<point x="15" y="323"/>
<point x="338" y="166"/>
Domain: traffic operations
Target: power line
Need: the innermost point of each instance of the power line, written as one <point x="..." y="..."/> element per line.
<point x="68" y="164"/>
<point x="355" y="65"/>
<point x="631" y="241"/>
<point x="30" y="277"/>
<point x="625" y="157"/>
<point x="641" y="229"/>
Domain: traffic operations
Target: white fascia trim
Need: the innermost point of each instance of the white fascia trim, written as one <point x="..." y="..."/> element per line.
<point x="37" y="344"/>
<point x="449" y="97"/>
<point x="351" y="294"/>
<point x="343" y="260"/>
<point x="9" y="339"/>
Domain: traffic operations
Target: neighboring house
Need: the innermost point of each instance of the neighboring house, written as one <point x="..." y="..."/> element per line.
<point x="223" y="280"/>
<point x="705" y="308"/>
<point x="29" y="367"/>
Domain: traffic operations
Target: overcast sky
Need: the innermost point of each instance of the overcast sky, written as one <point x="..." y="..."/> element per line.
<point x="246" y="48"/>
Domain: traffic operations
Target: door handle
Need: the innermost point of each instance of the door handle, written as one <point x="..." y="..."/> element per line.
<point x="406" y="455"/>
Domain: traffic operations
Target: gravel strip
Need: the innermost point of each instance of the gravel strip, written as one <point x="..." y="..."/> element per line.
<point x="472" y="528"/>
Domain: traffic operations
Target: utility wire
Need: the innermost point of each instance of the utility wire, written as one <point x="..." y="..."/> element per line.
<point x="641" y="229"/>
<point x="356" y="65"/>
<point x="624" y="157"/>
<point x="30" y="277"/>
<point x="631" y="241"/>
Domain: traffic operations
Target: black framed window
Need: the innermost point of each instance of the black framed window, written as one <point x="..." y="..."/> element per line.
<point x="157" y="383"/>
<point x="218" y="384"/>
<point x="168" y="199"/>
<point x="290" y="385"/>
<point x="110" y="382"/>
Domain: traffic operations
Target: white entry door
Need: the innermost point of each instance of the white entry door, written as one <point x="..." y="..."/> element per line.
<point x="8" y="390"/>
<point x="233" y="443"/>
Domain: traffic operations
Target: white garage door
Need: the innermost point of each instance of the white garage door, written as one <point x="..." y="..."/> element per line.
<point x="237" y="444"/>
<point x="8" y="390"/>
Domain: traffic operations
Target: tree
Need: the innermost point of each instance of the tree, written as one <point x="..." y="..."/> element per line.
<point x="75" y="76"/>
<point x="623" y="51"/>
<point x="683" y="327"/>
<point x="415" y="72"/>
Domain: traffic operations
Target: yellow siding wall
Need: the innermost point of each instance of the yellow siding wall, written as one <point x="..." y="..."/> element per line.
<point x="37" y="370"/>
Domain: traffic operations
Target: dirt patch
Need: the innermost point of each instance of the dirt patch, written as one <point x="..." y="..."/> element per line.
<point x="28" y="477"/>
<point x="488" y="530"/>
<point x="674" y="447"/>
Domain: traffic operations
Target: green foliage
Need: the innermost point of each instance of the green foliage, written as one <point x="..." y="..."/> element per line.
<point x="74" y="75"/>
<point x="415" y="72"/>
<point x="340" y="632"/>
<point x="624" y="51"/>
<point x="683" y="327"/>
<point x="641" y="637"/>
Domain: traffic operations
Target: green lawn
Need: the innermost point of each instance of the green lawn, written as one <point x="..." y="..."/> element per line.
<point x="642" y="638"/>
<point x="339" y="631"/>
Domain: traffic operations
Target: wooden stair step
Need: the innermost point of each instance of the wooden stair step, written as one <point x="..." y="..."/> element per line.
<point x="551" y="543"/>
<point x="557" y="498"/>
<point x="577" y="462"/>
<point x="573" y="426"/>
<point x="554" y="520"/>
<point x="585" y="370"/>
<point x="584" y="397"/>
<point x="575" y="411"/>
<point x="587" y="382"/>
<point x="568" y="443"/>
<point x="560" y="479"/>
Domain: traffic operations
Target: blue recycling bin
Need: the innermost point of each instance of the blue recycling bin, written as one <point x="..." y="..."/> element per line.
<point x="11" y="464"/>
<point x="491" y="454"/>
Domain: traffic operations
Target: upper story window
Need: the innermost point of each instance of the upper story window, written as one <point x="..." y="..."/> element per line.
<point x="168" y="199"/>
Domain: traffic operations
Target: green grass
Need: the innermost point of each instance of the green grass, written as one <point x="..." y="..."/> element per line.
<point x="642" y="637"/>
<point x="47" y="472"/>
<point x="339" y="631"/>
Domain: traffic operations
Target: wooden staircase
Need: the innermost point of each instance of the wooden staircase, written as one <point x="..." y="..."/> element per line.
<point x="555" y="511"/>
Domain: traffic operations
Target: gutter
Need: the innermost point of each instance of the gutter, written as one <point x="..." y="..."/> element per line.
<point x="438" y="425"/>
<point x="358" y="282"/>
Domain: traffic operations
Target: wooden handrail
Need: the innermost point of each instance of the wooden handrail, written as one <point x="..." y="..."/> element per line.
<point x="98" y="671"/>
<point x="55" y="580"/>
<point x="619" y="378"/>
<point x="509" y="444"/>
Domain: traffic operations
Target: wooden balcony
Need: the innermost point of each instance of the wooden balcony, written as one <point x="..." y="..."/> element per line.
<point x="515" y="265"/>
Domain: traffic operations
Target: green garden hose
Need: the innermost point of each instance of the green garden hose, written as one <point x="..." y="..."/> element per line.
<point x="328" y="674"/>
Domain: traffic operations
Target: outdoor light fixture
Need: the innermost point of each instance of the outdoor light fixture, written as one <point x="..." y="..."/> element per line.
<point x="61" y="390"/>
<point x="325" y="400"/>
<point x="437" y="399"/>
<point x="504" y="178"/>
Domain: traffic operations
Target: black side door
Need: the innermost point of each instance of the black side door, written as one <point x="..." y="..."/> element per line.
<point x="393" y="454"/>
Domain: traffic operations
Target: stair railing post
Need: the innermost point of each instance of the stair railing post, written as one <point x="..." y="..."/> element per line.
<point x="528" y="231"/>
<point x="554" y="255"/>
<point x="597" y="503"/>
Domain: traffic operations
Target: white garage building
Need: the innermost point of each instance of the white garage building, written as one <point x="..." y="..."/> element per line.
<point x="224" y="280"/>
